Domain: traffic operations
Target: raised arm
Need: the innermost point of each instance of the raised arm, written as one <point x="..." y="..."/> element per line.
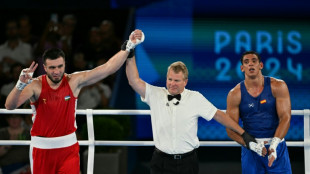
<point x="86" y="78"/>
<point x="133" y="77"/>
<point x="24" y="89"/>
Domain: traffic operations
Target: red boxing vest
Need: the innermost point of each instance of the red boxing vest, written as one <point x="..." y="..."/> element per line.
<point x="55" y="110"/>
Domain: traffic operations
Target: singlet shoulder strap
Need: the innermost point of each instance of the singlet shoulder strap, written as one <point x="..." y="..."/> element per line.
<point x="44" y="81"/>
<point x="242" y="86"/>
<point x="267" y="84"/>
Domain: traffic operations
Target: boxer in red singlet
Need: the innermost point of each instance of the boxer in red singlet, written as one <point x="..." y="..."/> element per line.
<point x="54" y="147"/>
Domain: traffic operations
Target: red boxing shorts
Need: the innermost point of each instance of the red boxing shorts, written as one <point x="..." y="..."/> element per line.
<point x="57" y="155"/>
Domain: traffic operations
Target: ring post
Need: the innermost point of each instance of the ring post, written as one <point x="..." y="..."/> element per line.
<point x="91" y="140"/>
<point x="307" y="140"/>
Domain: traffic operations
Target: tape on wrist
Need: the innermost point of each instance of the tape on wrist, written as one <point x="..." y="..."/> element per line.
<point x="257" y="147"/>
<point x="20" y="85"/>
<point x="131" y="52"/>
<point x="274" y="143"/>
<point x="130" y="46"/>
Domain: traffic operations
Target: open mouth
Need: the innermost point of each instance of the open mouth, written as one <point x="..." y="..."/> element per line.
<point x="251" y="69"/>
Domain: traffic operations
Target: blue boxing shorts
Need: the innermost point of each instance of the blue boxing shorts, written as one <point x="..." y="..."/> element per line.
<point x="252" y="163"/>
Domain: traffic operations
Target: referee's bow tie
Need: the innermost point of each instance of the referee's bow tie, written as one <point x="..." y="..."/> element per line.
<point x="178" y="97"/>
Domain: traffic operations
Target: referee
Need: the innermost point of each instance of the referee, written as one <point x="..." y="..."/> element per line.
<point x="174" y="115"/>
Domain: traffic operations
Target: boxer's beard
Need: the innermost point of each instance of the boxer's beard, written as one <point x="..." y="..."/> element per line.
<point x="55" y="81"/>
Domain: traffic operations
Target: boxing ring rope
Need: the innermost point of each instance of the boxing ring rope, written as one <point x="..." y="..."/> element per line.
<point x="91" y="142"/>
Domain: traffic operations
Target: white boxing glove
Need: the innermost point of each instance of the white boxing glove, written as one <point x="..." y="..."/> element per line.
<point x="273" y="145"/>
<point x="28" y="76"/>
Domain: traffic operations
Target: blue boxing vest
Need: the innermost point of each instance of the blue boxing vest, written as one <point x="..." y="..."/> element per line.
<point x="259" y="114"/>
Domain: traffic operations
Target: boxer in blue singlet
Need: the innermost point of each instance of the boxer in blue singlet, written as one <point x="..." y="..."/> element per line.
<point x="263" y="104"/>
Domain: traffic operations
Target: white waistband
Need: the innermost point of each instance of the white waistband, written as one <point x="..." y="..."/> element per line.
<point x="53" y="142"/>
<point x="266" y="139"/>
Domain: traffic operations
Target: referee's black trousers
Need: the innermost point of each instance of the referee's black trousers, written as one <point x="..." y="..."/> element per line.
<point x="163" y="163"/>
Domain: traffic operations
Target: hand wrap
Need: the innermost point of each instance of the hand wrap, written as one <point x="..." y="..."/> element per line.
<point x="273" y="145"/>
<point x="131" y="53"/>
<point x="252" y="144"/>
<point x="21" y="85"/>
<point x="257" y="147"/>
<point x="129" y="46"/>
